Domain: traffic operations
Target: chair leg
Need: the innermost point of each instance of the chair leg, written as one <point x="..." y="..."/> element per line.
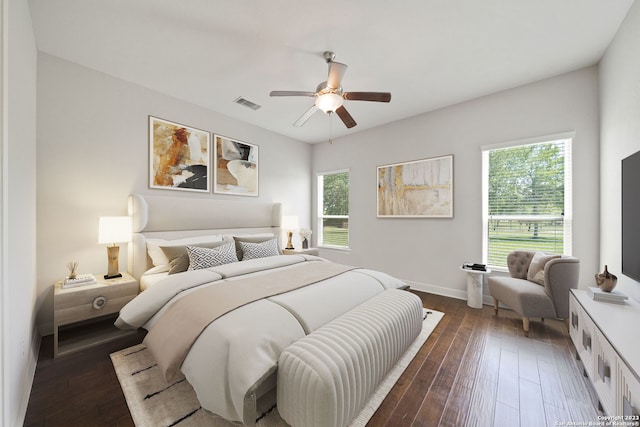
<point x="495" y="305"/>
<point x="525" y="326"/>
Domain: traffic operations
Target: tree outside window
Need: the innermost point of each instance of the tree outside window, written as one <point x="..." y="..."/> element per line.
<point x="527" y="199"/>
<point x="333" y="198"/>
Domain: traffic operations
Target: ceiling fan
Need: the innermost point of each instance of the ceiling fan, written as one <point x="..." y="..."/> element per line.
<point x="330" y="96"/>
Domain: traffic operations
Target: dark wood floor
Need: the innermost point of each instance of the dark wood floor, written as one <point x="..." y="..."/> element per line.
<point x="474" y="370"/>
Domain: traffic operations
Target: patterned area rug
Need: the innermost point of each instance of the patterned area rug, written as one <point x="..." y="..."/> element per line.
<point x="153" y="402"/>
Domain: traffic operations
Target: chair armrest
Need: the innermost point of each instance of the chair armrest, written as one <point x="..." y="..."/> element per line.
<point x="560" y="275"/>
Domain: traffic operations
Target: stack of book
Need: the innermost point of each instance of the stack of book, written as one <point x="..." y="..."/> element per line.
<point x="79" y="280"/>
<point x="475" y="267"/>
<point x="615" y="297"/>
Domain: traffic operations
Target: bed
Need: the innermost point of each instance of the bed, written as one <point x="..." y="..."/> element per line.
<point x="230" y="358"/>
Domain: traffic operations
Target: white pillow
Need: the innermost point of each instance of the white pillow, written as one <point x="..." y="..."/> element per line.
<point x="536" y="268"/>
<point x="158" y="256"/>
<point x="200" y="258"/>
<point x="264" y="249"/>
<point x="252" y="238"/>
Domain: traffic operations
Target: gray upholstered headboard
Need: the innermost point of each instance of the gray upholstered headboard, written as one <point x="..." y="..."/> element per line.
<point x="178" y="217"/>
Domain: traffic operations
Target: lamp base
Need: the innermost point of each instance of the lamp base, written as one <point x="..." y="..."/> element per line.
<point x="289" y="242"/>
<point x="112" y="258"/>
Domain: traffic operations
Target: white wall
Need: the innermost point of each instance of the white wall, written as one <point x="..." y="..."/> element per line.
<point x="429" y="251"/>
<point x="20" y="341"/>
<point x="93" y="152"/>
<point x="620" y="137"/>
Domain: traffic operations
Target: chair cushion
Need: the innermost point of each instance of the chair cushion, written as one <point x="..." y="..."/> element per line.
<point x="526" y="298"/>
<point x="518" y="263"/>
<point x="536" y="268"/>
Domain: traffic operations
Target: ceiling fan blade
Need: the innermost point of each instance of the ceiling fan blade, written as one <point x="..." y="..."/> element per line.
<point x="367" y="96"/>
<point x="291" y="93"/>
<point x="303" y="118"/>
<point x="345" y="117"/>
<point x="336" y="73"/>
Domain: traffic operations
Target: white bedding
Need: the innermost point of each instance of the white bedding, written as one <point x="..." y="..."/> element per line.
<point x="240" y="349"/>
<point x="153" y="276"/>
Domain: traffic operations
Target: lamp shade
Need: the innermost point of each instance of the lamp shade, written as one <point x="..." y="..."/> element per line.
<point x="289" y="222"/>
<point x="329" y="102"/>
<point x="114" y="229"/>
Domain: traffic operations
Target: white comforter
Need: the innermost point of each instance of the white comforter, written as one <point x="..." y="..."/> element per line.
<point x="241" y="348"/>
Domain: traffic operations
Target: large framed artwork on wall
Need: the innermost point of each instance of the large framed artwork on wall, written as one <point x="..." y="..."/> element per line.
<point x="179" y="156"/>
<point x="416" y="189"/>
<point x="235" y="167"/>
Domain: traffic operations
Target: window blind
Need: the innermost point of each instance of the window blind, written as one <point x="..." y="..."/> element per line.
<point x="333" y="195"/>
<point x="527" y="199"/>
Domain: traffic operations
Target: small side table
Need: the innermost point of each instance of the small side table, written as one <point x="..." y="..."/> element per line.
<point x="474" y="286"/>
<point x="79" y="312"/>
<point x="309" y="251"/>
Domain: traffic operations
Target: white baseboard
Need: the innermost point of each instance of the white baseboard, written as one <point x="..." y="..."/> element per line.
<point x="446" y="292"/>
<point x="437" y="290"/>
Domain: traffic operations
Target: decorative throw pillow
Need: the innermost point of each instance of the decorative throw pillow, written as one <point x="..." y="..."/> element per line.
<point x="179" y="258"/>
<point x="204" y="257"/>
<point x="252" y="238"/>
<point x="536" y="268"/>
<point x="157" y="255"/>
<point x="259" y="250"/>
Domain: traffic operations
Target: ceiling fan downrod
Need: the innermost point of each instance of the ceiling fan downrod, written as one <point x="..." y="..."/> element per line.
<point x="329" y="56"/>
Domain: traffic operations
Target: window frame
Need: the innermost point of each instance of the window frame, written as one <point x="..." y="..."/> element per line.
<point x="320" y="217"/>
<point x="567" y="218"/>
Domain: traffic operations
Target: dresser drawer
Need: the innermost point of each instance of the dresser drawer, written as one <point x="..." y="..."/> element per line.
<point x="582" y="332"/>
<point x="628" y="394"/>
<point x="74" y="305"/>
<point x="604" y="374"/>
<point x="97" y="306"/>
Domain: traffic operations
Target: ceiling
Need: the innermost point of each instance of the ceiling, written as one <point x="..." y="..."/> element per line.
<point x="427" y="53"/>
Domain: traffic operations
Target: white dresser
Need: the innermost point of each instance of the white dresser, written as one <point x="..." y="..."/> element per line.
<point x="607" y="340"/>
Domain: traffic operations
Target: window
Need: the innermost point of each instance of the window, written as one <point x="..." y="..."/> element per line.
<point x="526" y="197"/>
<point x="333" y="209"/>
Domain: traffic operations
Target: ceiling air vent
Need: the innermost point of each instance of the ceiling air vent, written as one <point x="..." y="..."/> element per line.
<point x="245" y="102"/>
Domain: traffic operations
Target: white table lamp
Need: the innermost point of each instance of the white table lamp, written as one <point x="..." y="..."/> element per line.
<point x="113" y="230"/>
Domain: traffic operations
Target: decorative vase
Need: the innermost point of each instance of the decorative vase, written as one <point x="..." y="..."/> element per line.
<point x="73" y="268"/>
<point x="305" y="243"/>
<point x="606" y="281"/>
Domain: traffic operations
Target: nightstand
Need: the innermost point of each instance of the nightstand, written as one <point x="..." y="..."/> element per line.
<point x="309" y="251"/>
<point x="83" y="316"/>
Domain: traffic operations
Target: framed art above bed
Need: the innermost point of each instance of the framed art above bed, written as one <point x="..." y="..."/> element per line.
<point x="179" y="156"/>
<point x="235" y="167"/>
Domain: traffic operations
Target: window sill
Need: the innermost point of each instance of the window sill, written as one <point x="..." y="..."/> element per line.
<point x="495" y="269"/>
<point x="334" y="248"/>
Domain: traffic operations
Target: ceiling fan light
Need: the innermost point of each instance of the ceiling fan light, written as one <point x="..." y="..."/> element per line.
<point x="329" y="102"/>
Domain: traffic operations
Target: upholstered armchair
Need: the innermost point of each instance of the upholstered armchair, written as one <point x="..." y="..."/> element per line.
<point x="538" y="287"/>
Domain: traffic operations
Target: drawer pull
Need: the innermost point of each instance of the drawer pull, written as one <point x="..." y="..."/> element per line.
<point x="586" y="341"/>
<point x="627" y="409"/>
<point x="604" y="370"/>
<point x="99" y="302"/>
<point x="574" y="320"/>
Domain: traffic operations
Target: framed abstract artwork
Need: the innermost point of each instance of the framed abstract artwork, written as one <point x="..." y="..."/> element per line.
<point x="179" y="156"/>
<point x="235" y="167"/>
<point x="416" y="189"/>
